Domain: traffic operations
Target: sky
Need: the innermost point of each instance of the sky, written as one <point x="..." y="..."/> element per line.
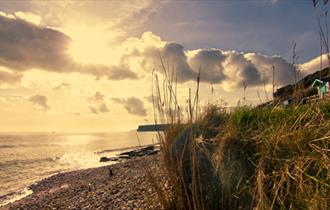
<point x="87" y="66"/>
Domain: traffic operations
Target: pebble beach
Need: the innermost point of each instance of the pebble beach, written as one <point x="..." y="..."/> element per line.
<point x="127" y="186"/>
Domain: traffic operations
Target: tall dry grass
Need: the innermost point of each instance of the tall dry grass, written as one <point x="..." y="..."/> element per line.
<point x="252" y="158"/>
<point x="276" y="158"/>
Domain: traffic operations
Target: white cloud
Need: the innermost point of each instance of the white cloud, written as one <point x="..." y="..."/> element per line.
<point x="29" y="17"/>
<point x="137" y="57"/>
<point x="315" y="64"/>
<point x="226" y="68"/>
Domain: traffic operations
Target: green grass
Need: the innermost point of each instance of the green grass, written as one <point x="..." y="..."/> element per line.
<point x="257" y="158"/>
<point x="252" y="158"/>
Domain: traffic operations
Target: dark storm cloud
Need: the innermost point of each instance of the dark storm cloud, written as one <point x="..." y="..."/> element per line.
<point x="9" y="78"/>
<point x="132" y="105"/>
<point x="25" y="46"/>
<point x="40" y="101"/>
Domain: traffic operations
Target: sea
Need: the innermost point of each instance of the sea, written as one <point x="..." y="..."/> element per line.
<point x="26" y="158"/>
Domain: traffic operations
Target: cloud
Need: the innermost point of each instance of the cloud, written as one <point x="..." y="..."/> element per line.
<point x="173" y="56"/>
<point x="25" y="46"/>
<point x="229" y="69"/>
<point x="175" y="52"/>
<point x="211" y="63"/>
<point x="98" y="105"/>
<point x="62" y="86"/>
<point x="9" y="78"/>
<point x="239" y="70"/>
<point x="93" y="110"/>
<point x="132" y="105"/>
<point x="3" y="100"/>
<point x="315" y="64"/>
<point x="29" y="17"/>
<point x="284" y="71"/>
<point x="103" y="108"/>
<point x="40" y="101"/>
<point x="119" y="73"/>
<point x="150" y="98"/>
<point x="97" y="97"/>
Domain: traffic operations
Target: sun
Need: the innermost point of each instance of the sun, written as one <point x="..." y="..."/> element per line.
<point x="90" y="46"/>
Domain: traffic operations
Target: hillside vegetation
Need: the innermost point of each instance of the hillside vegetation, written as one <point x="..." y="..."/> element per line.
<point x="263" y="158"/>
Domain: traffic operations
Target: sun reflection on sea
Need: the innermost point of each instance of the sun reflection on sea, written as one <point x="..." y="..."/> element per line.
<point x="78" y="139"/>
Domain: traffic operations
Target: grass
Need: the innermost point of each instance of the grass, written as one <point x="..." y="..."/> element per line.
<point x="281" y="157"/>
<point x="252" y="158"/>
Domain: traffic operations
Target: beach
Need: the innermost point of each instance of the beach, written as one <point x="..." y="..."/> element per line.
<point x="128" y="187"/>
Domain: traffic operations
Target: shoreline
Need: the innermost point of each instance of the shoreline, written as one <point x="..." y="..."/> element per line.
<point x="128" y="187"/>
<point x="26" y="191"/>
<point x="15" y="196"/>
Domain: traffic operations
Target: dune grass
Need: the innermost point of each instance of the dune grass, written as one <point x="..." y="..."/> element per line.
<point x="277" y="158"/>
<point x="271" y="158"/>
<point x="252" y="158"/>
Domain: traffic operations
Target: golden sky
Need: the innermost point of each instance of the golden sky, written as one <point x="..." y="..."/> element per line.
<point x="86" y="66"/>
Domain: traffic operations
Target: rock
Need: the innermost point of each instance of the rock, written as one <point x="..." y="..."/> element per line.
<point x="148" y="150"/>
<point x="93" y="189"/>
<point x="125" y="156"/>
<point x="106" y="159"/>
<point x="152" y="152"/>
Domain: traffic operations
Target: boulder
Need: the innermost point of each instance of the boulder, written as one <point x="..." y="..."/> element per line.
<point x="149" y="150"/>
<point x="106" y="159"/>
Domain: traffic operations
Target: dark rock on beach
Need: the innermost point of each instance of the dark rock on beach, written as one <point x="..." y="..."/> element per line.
<point x="126" y="187"/>
<point x="106" y="159"/>
<point x="149" y="150"/>
<point x="144" y="151"/>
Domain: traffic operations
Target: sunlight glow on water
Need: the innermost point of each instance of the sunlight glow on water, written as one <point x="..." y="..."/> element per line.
<point x="27" y="158"/>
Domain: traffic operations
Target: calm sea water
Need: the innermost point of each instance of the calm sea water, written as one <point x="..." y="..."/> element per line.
<point x="26" y="158"/>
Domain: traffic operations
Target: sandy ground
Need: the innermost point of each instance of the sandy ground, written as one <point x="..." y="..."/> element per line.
<point x="128" y="188"/>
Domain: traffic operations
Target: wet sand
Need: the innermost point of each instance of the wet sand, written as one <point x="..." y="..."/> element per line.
<point x="128" y="188"/>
